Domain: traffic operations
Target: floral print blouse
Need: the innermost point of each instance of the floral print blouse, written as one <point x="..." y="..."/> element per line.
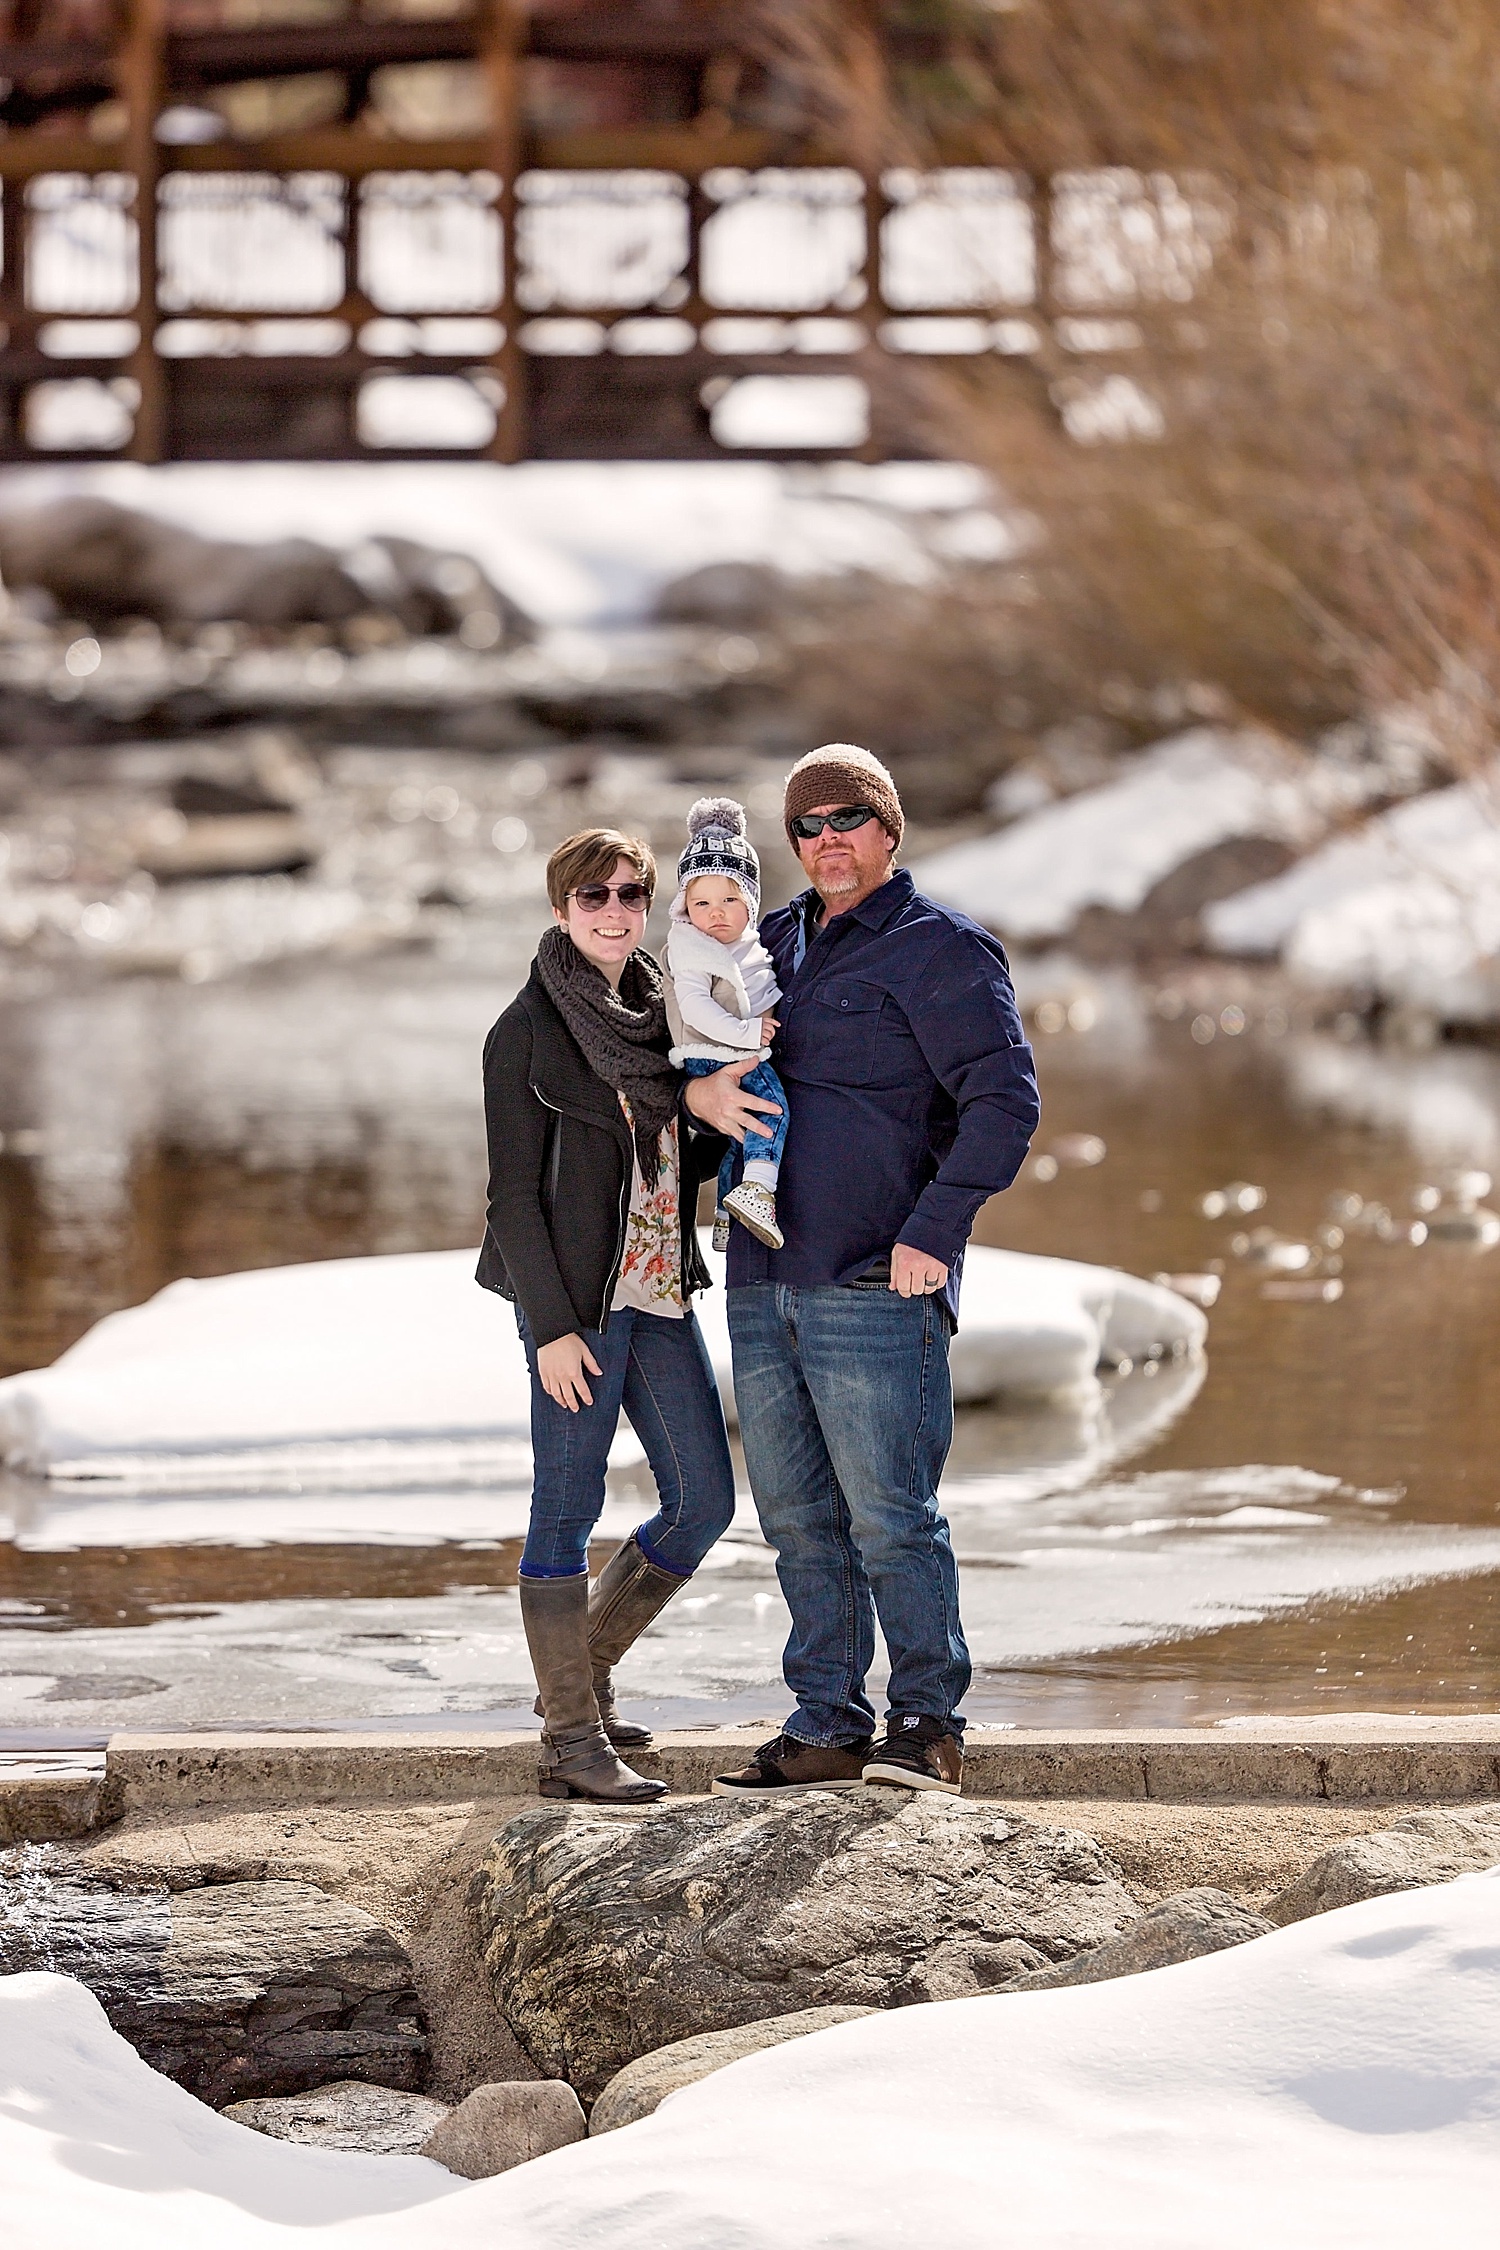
<point x="651" y="1275"/>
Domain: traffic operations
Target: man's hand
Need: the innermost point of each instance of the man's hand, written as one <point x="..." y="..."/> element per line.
<point x="916" y="1273"/>
<point x="560" y="1365"/>
<point x="720" y="1101"/>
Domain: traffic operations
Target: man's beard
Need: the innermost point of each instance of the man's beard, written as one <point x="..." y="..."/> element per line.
<point x="829" y="885"/>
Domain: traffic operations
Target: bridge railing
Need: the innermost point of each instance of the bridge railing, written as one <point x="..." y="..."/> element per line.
<point x="184" y="274"/>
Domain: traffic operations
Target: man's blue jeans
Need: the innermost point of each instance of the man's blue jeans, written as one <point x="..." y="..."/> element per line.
<point x="846" y="1415"/>
<point x="659" y="1371"/>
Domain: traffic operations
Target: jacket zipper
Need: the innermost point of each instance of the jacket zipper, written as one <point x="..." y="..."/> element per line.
<point x="556" y="1165"/>
<point x="560" y="1113"/>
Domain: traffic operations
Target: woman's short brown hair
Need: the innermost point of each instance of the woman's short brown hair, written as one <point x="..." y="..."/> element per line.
<point x="591" y="857"/>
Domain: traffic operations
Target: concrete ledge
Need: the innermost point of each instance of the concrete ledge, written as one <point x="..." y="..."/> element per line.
<point x="48" y="1808"/>
<point x="1274" y="1761"/>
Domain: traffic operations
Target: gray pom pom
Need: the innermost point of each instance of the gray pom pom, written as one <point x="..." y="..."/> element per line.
<point x="716" y="812"/>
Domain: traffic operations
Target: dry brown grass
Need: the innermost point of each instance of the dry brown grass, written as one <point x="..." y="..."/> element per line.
<point x="939" y="681"/>
<point x="1318" y="529"/>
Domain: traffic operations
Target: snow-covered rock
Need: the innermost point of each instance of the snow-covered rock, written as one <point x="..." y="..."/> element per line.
<point x="1334" y="2086"/>
<point x="511" y="2121"/>
<point x="1183" y="1927"/>
<point x="345" y="2115"/>
<point x="1408" y="908"/>
<point x="373" y="1366"/>
<point x="233" y="1989"/>
<point x="643" y="2086"/>
<point x="1416" y="1851"/>
<point x="1112" y="845"/>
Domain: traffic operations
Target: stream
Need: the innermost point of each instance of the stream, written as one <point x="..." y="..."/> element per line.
<point x="1305" y="1522"/>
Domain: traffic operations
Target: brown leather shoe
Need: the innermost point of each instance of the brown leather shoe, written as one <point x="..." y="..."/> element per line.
<point x="786" y="1763"/>
<point x="917" y="1753"/>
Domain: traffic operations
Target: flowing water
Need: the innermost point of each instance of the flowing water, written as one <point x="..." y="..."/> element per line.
<point x="1308" y="1521"/>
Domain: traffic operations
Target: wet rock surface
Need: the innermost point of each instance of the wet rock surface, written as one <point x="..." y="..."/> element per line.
<point x="608" y="1935"/>
<point x="1182" y="1928"/>
<point x="1420" y="1848"/>
<point x="373" y="2120"/>
<point x="233" y="1989"/>
<point x="500" y="2126"/>
<point x="643" y="2086"/>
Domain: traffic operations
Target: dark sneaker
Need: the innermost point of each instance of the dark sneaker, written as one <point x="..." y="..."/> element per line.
<point x="787" y="1763"/>
<point x="917" y="1754"/>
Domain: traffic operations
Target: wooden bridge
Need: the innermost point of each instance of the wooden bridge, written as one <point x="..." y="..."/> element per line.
<point x="345" y="229"/>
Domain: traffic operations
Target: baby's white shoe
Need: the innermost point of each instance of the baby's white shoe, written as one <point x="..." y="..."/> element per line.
<point x="721" y="1230"/>
<point x="755" y="1208"/>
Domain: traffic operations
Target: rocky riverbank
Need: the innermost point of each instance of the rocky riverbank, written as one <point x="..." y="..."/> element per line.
<point x="334" y="1970"/>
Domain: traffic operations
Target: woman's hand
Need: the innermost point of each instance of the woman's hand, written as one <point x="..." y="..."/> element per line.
<point x="560" y="1365"/>
<point x="720" y="1102"/>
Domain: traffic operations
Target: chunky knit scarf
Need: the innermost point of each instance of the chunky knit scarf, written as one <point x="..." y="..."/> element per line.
<point x="623" y="1034"/>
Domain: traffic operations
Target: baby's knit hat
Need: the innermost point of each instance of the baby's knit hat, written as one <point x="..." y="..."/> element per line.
<point x="717" y="845"/>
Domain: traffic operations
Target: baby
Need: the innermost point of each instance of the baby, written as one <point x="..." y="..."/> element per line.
<point x="721" y="988"/>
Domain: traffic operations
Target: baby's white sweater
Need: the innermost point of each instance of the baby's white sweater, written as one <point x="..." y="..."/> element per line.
<point x="710" y="1032"/>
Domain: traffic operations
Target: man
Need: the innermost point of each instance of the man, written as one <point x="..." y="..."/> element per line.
<point x="912" y="1099"/>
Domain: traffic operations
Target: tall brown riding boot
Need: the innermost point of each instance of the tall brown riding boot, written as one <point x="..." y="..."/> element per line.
<point x="628" y="1593"/>
<point x="577" y="1759"/>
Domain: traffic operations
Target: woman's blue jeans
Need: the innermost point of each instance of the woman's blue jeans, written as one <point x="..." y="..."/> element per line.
<point x="659" y="1372"/>
<point x="846" y="1416"/>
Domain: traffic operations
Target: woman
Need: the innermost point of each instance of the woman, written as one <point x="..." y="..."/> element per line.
<point x="593" y="1193"/>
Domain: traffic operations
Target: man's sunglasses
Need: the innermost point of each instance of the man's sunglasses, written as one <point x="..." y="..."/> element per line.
<point x="810" y="824"/>
<point x="632" y="896"/>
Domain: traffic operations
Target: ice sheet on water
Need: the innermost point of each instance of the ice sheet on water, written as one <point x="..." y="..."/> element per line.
<point x="1049" y="1569"/>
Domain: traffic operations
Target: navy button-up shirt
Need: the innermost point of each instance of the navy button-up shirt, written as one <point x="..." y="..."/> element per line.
<point x="910" y="1086"/>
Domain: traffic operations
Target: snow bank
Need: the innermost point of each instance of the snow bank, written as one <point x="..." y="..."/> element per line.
<point x="1408" y="908"/>
<point x="1335" y="2086"/>
<point x="1111" y="846"/>
<point x="403" y="1364"/>
<point x="573" y="542"/>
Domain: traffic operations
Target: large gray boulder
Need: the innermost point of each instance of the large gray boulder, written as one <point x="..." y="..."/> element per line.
<point x="643" y="2086"/>
<point x="1181" y="1928"/>
<point x="373" y="2120"/>
<point x="609" y="1934"/>
<point x="235" y="1989"/>
<point x="1420" y="1848"/>
<point x="732" y="595"/>
<point x="100" y="561"/>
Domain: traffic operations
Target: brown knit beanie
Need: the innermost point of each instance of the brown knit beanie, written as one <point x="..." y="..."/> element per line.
<point x="842" y="774"/>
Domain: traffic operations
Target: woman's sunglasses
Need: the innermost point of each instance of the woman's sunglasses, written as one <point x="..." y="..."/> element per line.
<point x="634" y="897"/>
<point x="810" y="824"/>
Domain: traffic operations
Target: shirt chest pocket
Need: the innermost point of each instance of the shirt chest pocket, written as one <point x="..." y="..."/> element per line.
<point x="836" y="1033"/>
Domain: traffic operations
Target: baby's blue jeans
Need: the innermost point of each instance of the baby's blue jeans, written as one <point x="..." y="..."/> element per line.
<point x="763" y="1147"/>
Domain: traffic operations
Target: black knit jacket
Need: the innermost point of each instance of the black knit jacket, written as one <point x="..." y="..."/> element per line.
<point x="560" y="1175"/>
